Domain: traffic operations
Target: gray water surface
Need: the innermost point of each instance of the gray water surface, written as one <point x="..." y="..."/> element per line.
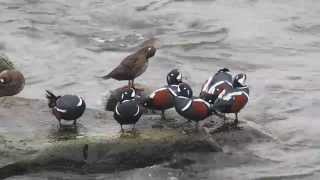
<point x="62" y="45"/>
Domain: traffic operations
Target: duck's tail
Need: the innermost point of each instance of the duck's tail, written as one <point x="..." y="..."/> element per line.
<point x="106" y="76"/>
<point x="51" y="99"/>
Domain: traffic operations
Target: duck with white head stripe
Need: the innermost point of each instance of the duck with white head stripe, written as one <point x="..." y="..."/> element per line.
<point x="67" y="107"/>
<point x="163" y="98"/>
<point x="233" y="101"/>
<point x="191" y="108"/>
<point x="127" y="110"/>
<point x="220" y="81"/>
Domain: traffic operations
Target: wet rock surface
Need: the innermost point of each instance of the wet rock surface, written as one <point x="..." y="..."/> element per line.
<point x="31" y="141"/>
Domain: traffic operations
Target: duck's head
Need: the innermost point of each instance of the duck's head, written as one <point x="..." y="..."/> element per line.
<point x="174" y="77"/>
<point x="240" y="80"/>
<point x="149" y="51"/>
<point x="184" y="90"/>
<point x="128" y="94"/>
<point x="224" y="70"/>
<point x="11" y="82"/>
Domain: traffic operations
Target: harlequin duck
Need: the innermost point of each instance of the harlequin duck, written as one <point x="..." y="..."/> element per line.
<point x="163" y="98"/>
<point x="132" y="66"/>
<point x="11" y="82"/>
<point x="127" y="111"/>
<point x="215" y="85"/>
<point x="66" y="107"/>
<point x="234" y="100"/>
<point x="194" y="109"/>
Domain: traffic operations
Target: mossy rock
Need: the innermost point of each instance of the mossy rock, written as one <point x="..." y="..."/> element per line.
<point x="5" y="63"/>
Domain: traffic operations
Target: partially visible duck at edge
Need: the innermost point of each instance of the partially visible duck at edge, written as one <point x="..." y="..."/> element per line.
<point x="11" y="82"/>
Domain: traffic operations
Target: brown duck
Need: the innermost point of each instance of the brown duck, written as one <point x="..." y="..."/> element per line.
<point x="11" y="82"/>
<point x="132" y="66"/>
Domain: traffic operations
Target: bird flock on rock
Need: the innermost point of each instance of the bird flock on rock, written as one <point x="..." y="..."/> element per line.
<point x="220" y="94"/>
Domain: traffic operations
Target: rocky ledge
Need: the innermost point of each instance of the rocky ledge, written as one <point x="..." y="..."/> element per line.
<point x="31" y="141"/>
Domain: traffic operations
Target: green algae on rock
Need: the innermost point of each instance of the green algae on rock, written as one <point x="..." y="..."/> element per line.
<point x="5" y="63"/>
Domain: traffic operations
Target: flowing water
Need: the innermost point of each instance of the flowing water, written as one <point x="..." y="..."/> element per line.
<point x="62" y="45"/>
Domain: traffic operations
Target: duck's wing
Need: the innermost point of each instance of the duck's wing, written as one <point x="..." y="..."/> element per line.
<point x="120" y="73"/>
<point x="133" y="60"/>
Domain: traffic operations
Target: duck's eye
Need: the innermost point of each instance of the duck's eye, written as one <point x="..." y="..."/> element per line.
<point x="3" y="81"/>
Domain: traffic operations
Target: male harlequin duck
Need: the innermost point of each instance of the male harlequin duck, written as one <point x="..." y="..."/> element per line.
<point x="194" y="109"/>
<point x="67" y="107"/>
<point x="11" y="82"/>
<point x="163" y="98"/>
<point x="234" y="100"/>
<point x="127" y="111"/>
<point x="132" y="66"/>
<point x="215" y="85"/>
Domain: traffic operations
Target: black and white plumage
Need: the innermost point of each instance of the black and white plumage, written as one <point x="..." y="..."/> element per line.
<point x="66" y="107"/>
<point x="222" y="80"/>
<point x="194" y="109"/>
<point x="127" y="110"/>
<point x="163" y="98"/>
<point x="174" y="77"/>
<point x="233" y="101"/>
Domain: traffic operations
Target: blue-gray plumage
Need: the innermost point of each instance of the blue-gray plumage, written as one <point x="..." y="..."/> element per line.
<point x="234" y="100"/>
<point x="215" y="85"/>
<point x="67" y="107"/>
<point x="189" y="107"/>
<point x="127" y="111"/>
<point x="163" y="98"/>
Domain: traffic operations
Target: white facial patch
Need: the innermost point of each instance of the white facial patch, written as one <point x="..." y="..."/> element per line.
<point x="1" y="80"/>
<point x="133" y="94"/>
<point x="242" y="80"/>
<point x="149" y="49"/>
<point x="179" y="77"/>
